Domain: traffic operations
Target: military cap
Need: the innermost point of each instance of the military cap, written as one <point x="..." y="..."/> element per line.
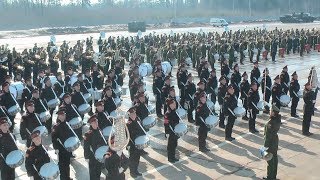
<point x="277" y="77"/>
<point x="244" y="74"/>
<point x="213" y="70"/>
<point x="29" y="103"/>
<point x="167" y="78"/>
<point x="70" y="68"/>
<point x="92" y="118"/>
<point x="80" y="75"/>
<point x="35" y="91"/>
<point x="108" y="88"/>
<point x="236" y="65"/>
<point x="35" y="134"/>
<point x="132" y="109"/>
<point x="253" y="83"/>
<point x="28" y="79"/>
<point x="286" y="67"/>
<point x="3" y="120"/>
<point x="222" y="78"/>
<point x="5" y="84"/>
<point x="307" y="84"/>
<point x="61" y="110"/>
<point x="169" y="101"/>
<point x="200" y="83"/>
<point x="66" y="95"/>
<point x="99" y="103"/>
<point x="171" y="88"/>
<point x="294" y="73"/>
<point x="139" y="95"/>
<point x="202" y="94"/>
<point x="256" y="62"/>
<point x="230" y="86"/>
<point x="76" y="84"/>
<point x="266" y="69"/>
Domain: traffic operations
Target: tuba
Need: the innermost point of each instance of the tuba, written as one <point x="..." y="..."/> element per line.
<point x="313" y="78"/>
<point x="120" y="133"/>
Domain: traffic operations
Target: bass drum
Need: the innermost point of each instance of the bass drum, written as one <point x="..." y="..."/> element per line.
<point x="49" y="170"/>
<point x="71" y="144"/>
<point x="16" y="88"/>
<point x="149" y="122"/>
<point x="239" y="111"/>
<point x="142" y="142"/>
<point x="285" y="100"/>
<point x="100" y="152"/>
<point x="212" y="121"/>
<point x="15" y="158"/>
<point x="181" y="129"/>
<point x="145" y="69"/>
<point x="166" y="67"/>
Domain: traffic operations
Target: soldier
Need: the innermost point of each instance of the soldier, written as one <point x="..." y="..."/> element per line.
<point x="202" y="113"/>
<point x="235" y="80"/>
<point x="109" y="101"/>
<point x="253" y="99"/>
<point x="60" y="86"/>
<point x="48" y="94"/>
<point x="27" y="92"/>
<point x="39" y="105"/>
<point x="205" y="73"/>
<point x="60" y="133"/>
<point x="229" y="104"/>
<point x="201" y="88"/>
<point x="284" y="79"/>
<point x="276" y="92"/>
<point x="225" y="70"/>
<point x="266" y="89"/>
<point x="187" y="99"/>
<point x="274" y="49"/>
<point x="271" y="141"/>
<point x="212" y="86"/>
<point x="36" y="156"/>
<point x="165" y="89"/>
<point x="93" y="139"/>
<point x="308" y="109"/>
<point x="182" y="77"/>
<point x="103" y="120"/>
<point x="255" y="74"/>
<point x="7" y="100"/>
<point x="222" y="90"/>
<point x="171" y="119"/>
<point x="135" y="130"/>
<point x="7" y="145"/>
<point x="158" y="82"/>
<point x="141" y="106"/>
<point x="29" y="122"/>
<point x="294" y="89"/>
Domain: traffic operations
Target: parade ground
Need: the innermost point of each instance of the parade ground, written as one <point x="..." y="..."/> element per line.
<point x="298" y="155"/>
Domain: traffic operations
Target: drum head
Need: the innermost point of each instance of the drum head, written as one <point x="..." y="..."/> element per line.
<point x="13" y="91"/>
<point x="100" y="152"/>
<point x="212" y="121"/>
<point x="107" y="131"/>
<point x="14" y="158"/>
<point x="144" y="69"/>
<point x="181" y="128"/>
<point x="148" y="121"/>
<point x="166" y="67"/>
<point x="239" y="111"/>
<point x="43" y="130"/>
<point x="49" y="170"/>
<point x="181" y="112"/>
<point x="285" y="100"/>
<point x="210" y="104"/>
<point x="71" y="142"/>
<point x="142" y="140"/>
<point x="53" y="79"/>
<point x="73" y="79"/>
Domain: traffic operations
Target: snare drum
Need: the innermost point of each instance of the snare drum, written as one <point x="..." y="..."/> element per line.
<point x="210" y="105"/>
<point x="118" y="91"/>
<point x="53" y="103"/>
<point x="53" y="79"/>
<point x="71" y="144"/>
<point x="84" y="108"/>
<point x="300" y="94"/>
<point x="117" y="102"/>
<point x="181" y="129"/>
<point x="100" y="152"/>
<point x="87" y="97"/>
<point x="188" y="61"/>
<point x="239" y="111"/>
<point x="43" y="130"/>
<point x="142" y="142"/>
<point x="15" y="158"/>
<point x="181" y="113"/>
<point x="13" y="110"/>
<point x="166" y="67"/>
<point x="149" y="122"/>
<point x="211" y="121"/>
<point x="285" y="100"/>
<point x="107" y="131"/>
<point x="16" y="88"/>
<point x="151" y="109"/>
<point x="260" y="105"/>
<point x="97" y="95"/>
<point x="145" y="69"/>
<point x="44" y="116"/>
<point x="216" y="57"/>
<point x="49" y="170"/>
<point x="76" y="123"/>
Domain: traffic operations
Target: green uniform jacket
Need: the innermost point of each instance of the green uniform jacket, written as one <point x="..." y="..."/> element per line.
<point x="271" y="129"/>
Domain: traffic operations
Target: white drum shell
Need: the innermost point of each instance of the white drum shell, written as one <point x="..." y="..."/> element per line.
<point x="53" y="103"/>
<point x="142" y="142"/>
<point x="18" y="86"/>
<point x="210" y="105"/>
<point x="239" y="111"/>
<point x="100" y="152"/>
<point x="15" y="158"/>
<point x="71" y="144"/>
<point x="149" y="122"/>
<point x="97" y="94"/>
<point x="43" y="130"/>
<point x="107" y="131"/>
<point x="44" y="116"/>
<point x="76" y="123"/>
<point x="87" y="97"/>
<point x="151" y="109"/>
<point x="181" y="129"/>
<point x="49" y="171"/>
<point x="84" y="108"/>
<point x="285" y="100"/>
<point x="182" y="113"/>
<point x="211" y="121"/>
<point x="145" y="69"/>
<point x="166" y="67"/>
<point x="260" y="105"/>
<point x="13" y="110"/>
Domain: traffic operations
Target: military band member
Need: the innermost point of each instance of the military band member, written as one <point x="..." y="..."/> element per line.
<point x="284" y="79"/>
<point x="97" y="77"/>
<point x="60" y="133"/>
<point x="225" y="70"/>
<point x="294" y="89"/>
<point x="7" y="145"/>
<point x="115" y="163"/>
<point x="221" y="94"/>
<point x="266" y="84"/>
<point x="135" y="131"/>
<point x="205" y="73"/>
<point x="36" y="156"/>
<point x="92" y="141"/>
<point x="7" y="100"/>
<point x="187" y="99"/>
<point x="165" y="89"/>
<point x="276" y="92"/>
<point x="253" y="99"/>
<point x="271" y="141"/>
<point x="201" y="88"/>
<point x="229" y="105"/>
<point x="27" y="92"/>
<point x="255" y="74"/>
<point x="202" y="113"/>
<point x="308" y="109"/>
<point x="212" y="86"/>
<point x="182" y="77"/>
<point x="103" y="120"/>
<point x="67" y="79"/>
<point x="158" y="82"/>
<point x="171" y="119"/>
<point x="235" y="80"/>
<point x="109" y="101"/>
<point x="60" y="86"/>
<point x="29" y="122"/>
<point x="48" y="94"/>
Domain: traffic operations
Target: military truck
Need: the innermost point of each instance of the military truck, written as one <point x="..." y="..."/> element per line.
<point x="297" y="18"/>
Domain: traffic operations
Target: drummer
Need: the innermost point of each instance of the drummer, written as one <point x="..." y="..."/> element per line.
<point x="7" y="100"/>
<point x="135" y="131"/>
<point x="29" y="121"/>
<point x="228" y="107"/>
<point x="141" y="106"/>
<point x="294" y="89"/>
<point x="103" y="120"/>
<point x="7" y="145"/>
<point x="93" y="139"/>
<point x="39" y="105"/>
<point x="27" y="92"/>
<point x="202" y="113"/>
<point x="48" y="94"/>
<point x="109" y="101"/>
<point x="253" y="99"/>
<point x="36" y="156"/>
<point x="171" y="119"/>
<point x="76" y="97"/>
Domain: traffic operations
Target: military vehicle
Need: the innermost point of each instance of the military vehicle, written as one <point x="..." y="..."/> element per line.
<point x="297" y="18"/>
